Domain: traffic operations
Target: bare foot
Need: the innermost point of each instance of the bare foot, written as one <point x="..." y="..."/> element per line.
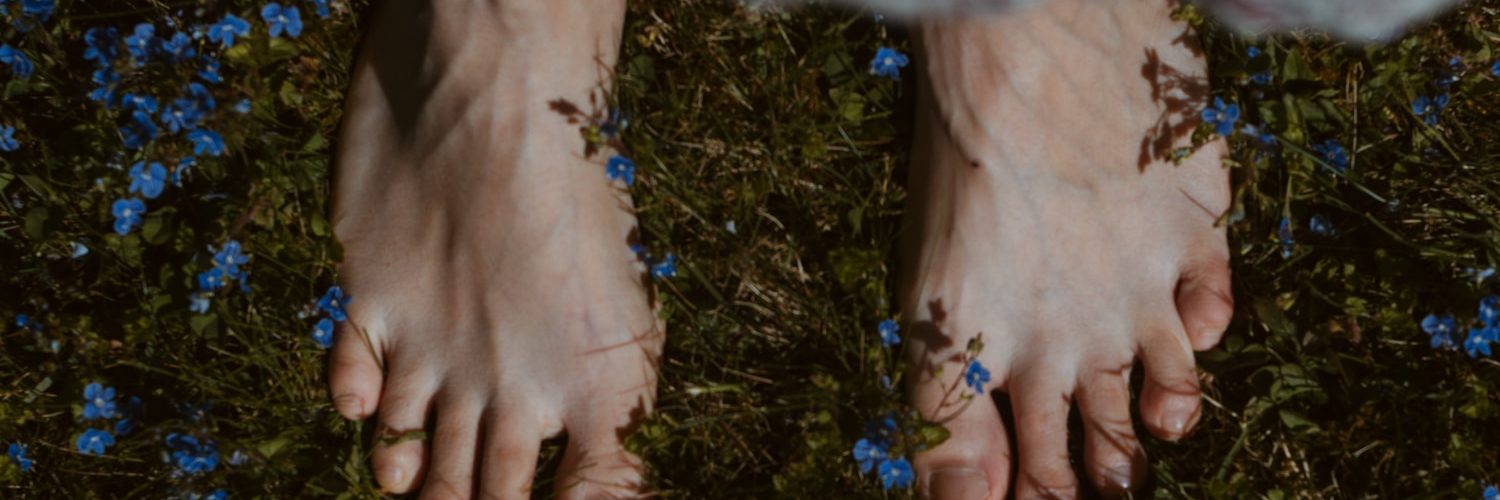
<point x="487" y="257"/>
<point x="1047" y="219"/>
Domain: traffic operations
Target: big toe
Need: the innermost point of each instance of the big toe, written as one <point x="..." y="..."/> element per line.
<point x="975" y="462"/>
<point x="354" y="377"/>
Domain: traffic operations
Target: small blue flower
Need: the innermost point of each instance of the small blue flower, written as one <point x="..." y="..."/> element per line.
<point x="103" y="45"/>
<point x="130" y="418"/>
<point x="1319" y="225"/>
<point x="667" y="268"/>
<point x="8" y="138"/>
<point x="77" y="250"/>
<point x="181" y="114"/>
<point x="213" y="279"/>
<point x="230" y="258"/>
<point x="242" y="107"/>
<point x="132" y="102"/>
<point x="1479" y="275"/>
<point x="1489" y="311"/>
<point x="616" y="123"/>
<point x="1284" y="236"/>
<point x="1222" y="116"/>
<point x="141" y="43"/>
<point x="178" y="48"/>
<point x="23" y="321"/>
<point x="620" y="168"/>
<point x="1441" y="328"/>
<point x="226" y="29"/>
<point x="333" y="302"/>
<point x="1429" y="107"/>
<point x="282" y="19"/>
<point x="201" y="96"/>
<point x="1478" y="342"/>
<point x="888" y="63"/>
<point x="889" y="332"/>
<point x="321" y="6"/>
<point x="895" y="473"/>
<point x="138" y="130"/>
<point x="1261" y="78"/>
<point x="148" y="179"/>
<point x="1333" y="154"/>
<point x="98" y="402"/>
<point x="20" y="65"/>
<point x="210" y="71"/>
<point x="1491" y="493"/>
<point x="38" y="9"/>
<point x="198" y="302"/>
<point x="106" y="78"/>
<point x="869" y="454"/>
<point x="1495" y="69"/>
<point x="184" y="167"/>
<point x="191" y="456"/>
<point x="127" y="212"/>
<point x="206" y="141"/>
<point x="323" y="333"/>
<point x="94" y="442"/>
<point x="17" y="454"/>
<point x="975" y="376"/>
<point x="1253" y="52"/>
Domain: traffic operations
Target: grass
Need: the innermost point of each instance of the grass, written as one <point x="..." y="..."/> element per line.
<point x="1324" y="386"/>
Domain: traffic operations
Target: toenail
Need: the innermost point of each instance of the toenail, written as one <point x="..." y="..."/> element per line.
<point x="1177" y="424"/>
<point x="958" y="484"/>
<point x="1119" y="477"/>
<point x="349" y="404"/>
<point x="390" y="476"/>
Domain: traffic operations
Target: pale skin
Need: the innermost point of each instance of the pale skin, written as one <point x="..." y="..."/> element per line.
<point x="489" y="262"/>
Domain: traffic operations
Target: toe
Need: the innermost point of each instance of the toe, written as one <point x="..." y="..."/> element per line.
<point x="974" y="463"/>
<point x="1041" y="400"/>
<point x="511" y="444"/>
<point x="354" y="377"/>
<point x="1169" y="397"/>
<point x="1204" y="300"/>
<point x="400" y="462"/>
<point x="455" y="440"/>
<point x="1114" y="459"/>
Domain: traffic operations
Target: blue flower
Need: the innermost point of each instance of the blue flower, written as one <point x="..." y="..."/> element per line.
<point x="94" y="442"/>
<point x="127" y="214"/>
<point x="230" y="258"/>
<point x="1284" y="235"/>
<point x="17" y="454"/>
<point x="181" y="114"/>
<point x="1261" y="78"/>
<point x="975" y="376"/>
<point x="132" y="102"/>
<point x="616" y="123"/>
<point x="178" y="48"/>
<point x="23" y="321"/>
<point x="322" y="7"/>
<point x="1479" y="275"/>
<point x="191" y="456"/>
<point x="870" y="454"/>
<point x="8" y="138"/>
<point x="210" y="71"/>
<point x="1489" y="310"/>
<point x="148" y="179"/>
<point x="1491" y="493"/>
<point x="1319" y="224"/>
<point x="1478" y="342"/>
<point x="184" y="167"/>
<point x="131" y="417"/>
<point x="282" y="19"/>
<point x="1429" y="107"/>
<point x="138" y="130"/>
<point x="1334" y="154"/>
<point x="888" y="63"/>
<point x="98" y="402"/>
<point x="226" y="29"/>
<point x="39" y="9"/>
<point x="323" y="333"/>
<point x="1441" y="328"/>
<point x="1222" y="116"/>
<point x="20" y="65"/>
<point x="206" y="141"/>
<point x="141" y="43"/>
<point x="78" y="250"/>
<point x="103" y="45"/>
<point x="1253" y="52"/>
<point x="198" y="302"/>
<point x="888" y="332"/>
<point x="1495" y="69"/>
<point x="895" y="473"/>
<point x="333" y="303"/>
<point x="106" y="78"/>
<point x="620" y="168"/>
<point x="213" y="279"/>
<point x="667" y="268"/>
<point x="201" y="96"/>
<point x="242" y="107"/>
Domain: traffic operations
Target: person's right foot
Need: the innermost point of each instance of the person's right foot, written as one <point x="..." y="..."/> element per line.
<point x="1045" y="222"/>
<point x="488" y="258"/>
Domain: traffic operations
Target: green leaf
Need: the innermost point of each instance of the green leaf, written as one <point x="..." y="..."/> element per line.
<point x="205" y="325"/>
<point x="36" y="223"/>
